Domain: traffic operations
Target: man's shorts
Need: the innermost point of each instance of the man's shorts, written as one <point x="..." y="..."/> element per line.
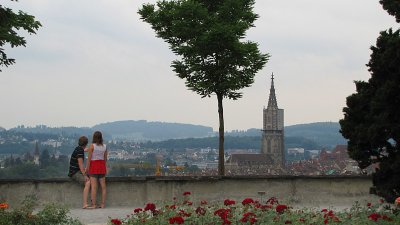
<point x="78" y="178"/>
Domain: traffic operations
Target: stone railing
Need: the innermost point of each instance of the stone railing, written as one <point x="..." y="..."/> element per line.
<point x="136" y="191"/>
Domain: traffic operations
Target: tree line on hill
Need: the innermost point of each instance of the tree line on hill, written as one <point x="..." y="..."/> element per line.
<point x="308" y="136"/>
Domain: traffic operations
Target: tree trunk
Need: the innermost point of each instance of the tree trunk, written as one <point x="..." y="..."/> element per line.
<point x="221" y="155"/>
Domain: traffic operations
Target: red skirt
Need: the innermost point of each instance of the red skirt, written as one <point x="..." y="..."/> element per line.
<point x="97" y="167"/>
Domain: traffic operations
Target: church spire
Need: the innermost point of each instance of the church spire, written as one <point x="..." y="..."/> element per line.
<point x="272" y="97"/>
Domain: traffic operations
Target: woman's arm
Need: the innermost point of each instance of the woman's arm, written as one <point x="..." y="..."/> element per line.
<point x="90" y="151"/>
<point x="106" y="155"/>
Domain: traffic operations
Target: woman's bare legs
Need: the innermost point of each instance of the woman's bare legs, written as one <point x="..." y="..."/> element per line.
<point x="103" y="191"/>
<point x="93" y="194"/>
<point x="86" y="193"/>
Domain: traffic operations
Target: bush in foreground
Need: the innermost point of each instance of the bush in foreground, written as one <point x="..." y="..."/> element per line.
<point x="51" y="214"/>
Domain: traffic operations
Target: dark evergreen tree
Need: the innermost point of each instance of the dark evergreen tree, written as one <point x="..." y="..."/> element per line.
<point x="371" y="119"/>
<point x="44" y="159"/>
<point x="208" y="38"/>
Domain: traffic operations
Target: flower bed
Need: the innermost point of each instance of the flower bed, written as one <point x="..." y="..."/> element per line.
<point x="250" y="211"/>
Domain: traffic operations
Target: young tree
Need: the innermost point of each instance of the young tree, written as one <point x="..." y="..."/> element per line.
<point x="208" y="36"/>
<point x="371" y="119"/>
<point x="10" y="22"/>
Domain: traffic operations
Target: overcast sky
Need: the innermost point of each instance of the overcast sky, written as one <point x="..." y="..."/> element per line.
<point x="95" y="61"/>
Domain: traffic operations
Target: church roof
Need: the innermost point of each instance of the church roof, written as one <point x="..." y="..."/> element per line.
<point x="255" y="158"/>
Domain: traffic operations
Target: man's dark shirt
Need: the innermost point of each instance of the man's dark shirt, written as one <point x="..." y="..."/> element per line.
<point x="73" y="162"/>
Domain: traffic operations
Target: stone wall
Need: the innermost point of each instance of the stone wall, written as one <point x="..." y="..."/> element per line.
<point x="136" y="191"/>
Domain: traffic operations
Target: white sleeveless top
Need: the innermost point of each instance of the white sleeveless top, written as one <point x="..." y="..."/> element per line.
<point x="98" y="152"/>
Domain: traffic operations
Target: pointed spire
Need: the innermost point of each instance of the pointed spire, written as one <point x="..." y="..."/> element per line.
<point x="272" y="97"/>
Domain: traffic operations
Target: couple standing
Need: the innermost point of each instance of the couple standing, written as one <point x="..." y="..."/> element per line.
<point x="95" y="171"/>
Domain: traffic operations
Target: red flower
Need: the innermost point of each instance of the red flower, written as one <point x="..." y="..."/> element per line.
<point x="172" y="207"/>
<point x="384" y="217"/>
<point x="272" y="201"/>
<point x="229" y="202"/>
<point x="183" y="213"/>
<point x="137" y="210"/>
<point x="397" y="201"/>
<point x="336" y="219"/>
<point x="176" y="220"/>
<point x="280" y="208"/>
<point x="249" y="217"/>
<point x="203" y="202"/>
<point x="223" y="213"/>
<point x="226" y="222"/>
<point x="248" y="214"/>
<point x="3" y="206"/>
<point x="150" y="207"/>
<point x="324" y="210"/>
<point x="201" y="211"/>
<point x="288" y="222"/>
<point x="369" y="204"/>
<point x="188" y="202"/>
<point x="374" y="216"/>
<point x="116" y="222"/>
<point x="247" y="201"/>
<point x="186" y="193"/>
<point x="325" y="221"/>
<point x="302" y="220"/>
<point x="264" y="207"/>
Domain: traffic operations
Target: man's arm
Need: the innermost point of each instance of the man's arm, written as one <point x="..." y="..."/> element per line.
<point x="81" y="168"/>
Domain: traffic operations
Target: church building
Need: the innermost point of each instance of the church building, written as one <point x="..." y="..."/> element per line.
<point x="273" y="129"/>
<point x="271" y="159"/>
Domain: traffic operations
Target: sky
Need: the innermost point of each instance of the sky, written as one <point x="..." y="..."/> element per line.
<point x="95" y="61"/>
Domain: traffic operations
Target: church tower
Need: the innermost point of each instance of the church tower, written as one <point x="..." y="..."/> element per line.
<point x="272" y="134"/>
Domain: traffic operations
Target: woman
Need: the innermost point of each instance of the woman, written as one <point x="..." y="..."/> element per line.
<point x="97" y="167"/>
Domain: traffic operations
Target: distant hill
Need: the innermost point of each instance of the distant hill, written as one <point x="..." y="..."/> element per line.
<point x="320" y="134"/>
<point x="231" y="142"/>
<point x="140" y="130"/>
<point x="59" y="131"/>
<point x="312" y="136"/>
<point x="144" y="130"/>
<point x="323" y="134"/>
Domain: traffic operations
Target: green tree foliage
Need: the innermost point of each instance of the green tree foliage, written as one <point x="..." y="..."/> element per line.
<point x="208" y="37"/>
<point x="392" y="7"/>
<point x="371" y="119"/>
<point x="44" y="159"/>
<point x="10" y="22"/>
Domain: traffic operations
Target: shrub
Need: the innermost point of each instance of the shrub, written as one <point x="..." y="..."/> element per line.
<point x="51" y="214"/>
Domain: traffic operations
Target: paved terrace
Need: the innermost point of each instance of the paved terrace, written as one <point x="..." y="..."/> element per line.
<point x="127" y="193"/>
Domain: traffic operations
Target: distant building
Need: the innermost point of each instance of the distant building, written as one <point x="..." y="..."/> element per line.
<point x="337" y="154"/>
<point x="52" y="143"/>
<point x="272" y="143"/>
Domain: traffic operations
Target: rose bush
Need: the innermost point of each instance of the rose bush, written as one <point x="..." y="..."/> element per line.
<point x="250" y="211"/>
